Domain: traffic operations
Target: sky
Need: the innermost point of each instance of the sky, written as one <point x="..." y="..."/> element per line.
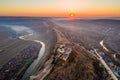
<point x="59" y="7"/>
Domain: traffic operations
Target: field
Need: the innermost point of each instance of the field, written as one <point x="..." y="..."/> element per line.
<point x="91" y="32"/>
<point x="11" y="49"/>
<point x="82" y="35"/>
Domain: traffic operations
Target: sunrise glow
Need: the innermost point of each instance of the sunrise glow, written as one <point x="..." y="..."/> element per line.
<point x="59" y="7"/>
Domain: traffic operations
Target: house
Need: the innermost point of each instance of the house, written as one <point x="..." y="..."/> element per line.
<point x="63" y="52"/>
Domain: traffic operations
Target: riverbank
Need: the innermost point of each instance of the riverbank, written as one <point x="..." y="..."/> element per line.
<point x="35" y="63"/>
<point x="17" y="65"/>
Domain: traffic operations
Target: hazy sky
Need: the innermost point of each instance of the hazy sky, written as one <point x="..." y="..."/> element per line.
<point x="60" y="7"/>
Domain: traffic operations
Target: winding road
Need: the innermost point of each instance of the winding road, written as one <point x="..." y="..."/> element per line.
<point x="113" y="77"/>
<point x="101" y="43"/>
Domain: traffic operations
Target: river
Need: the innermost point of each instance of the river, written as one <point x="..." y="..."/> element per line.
<point x="35" y="63"/>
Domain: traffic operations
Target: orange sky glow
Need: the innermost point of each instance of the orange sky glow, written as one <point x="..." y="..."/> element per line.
<point x="59" y="7"/>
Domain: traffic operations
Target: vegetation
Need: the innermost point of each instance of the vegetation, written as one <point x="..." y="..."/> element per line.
<point x="77" y="67"/>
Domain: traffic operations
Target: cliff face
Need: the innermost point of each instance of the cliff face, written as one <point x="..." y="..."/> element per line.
<point x="77" y="67"/>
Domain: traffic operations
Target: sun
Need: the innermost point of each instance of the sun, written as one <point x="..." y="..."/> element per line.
<point x="72" y="15"/>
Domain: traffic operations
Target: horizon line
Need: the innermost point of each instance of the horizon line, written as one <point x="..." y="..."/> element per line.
<point x="52" y="16"/>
